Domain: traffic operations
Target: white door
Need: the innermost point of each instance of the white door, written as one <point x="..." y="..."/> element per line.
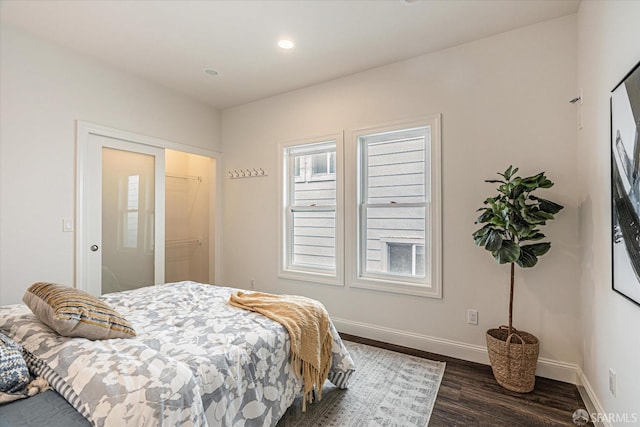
<point x="121" y="213"/>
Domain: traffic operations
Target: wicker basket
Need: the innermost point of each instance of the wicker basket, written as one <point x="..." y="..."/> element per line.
<point x="513" y="358"/>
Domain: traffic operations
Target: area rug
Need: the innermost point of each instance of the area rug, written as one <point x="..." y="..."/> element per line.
<point x="388" y="389"/>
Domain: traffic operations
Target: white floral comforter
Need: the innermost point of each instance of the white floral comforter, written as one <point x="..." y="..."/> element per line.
<point x="196" y="361"/>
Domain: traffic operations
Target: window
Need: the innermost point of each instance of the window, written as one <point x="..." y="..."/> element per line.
<point x="323" y="164"/>
<point x="396" y="212"/>
<point x="130" y="229"/>
<point x="387" y="237"/>
<point x="136" y="225"/>
<point x="311" y="212"/>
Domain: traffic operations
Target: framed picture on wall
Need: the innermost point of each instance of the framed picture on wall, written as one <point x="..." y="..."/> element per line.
<point x="625" y="185"/>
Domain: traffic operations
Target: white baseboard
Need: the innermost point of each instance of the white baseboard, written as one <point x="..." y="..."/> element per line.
<point x="591" y="399"/>
<point x="547" y="368"/>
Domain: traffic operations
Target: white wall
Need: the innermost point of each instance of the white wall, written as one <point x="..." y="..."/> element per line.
<point x="44" y="90"/>
<point x="503" y="100"/>
<point x="608" y="34"/>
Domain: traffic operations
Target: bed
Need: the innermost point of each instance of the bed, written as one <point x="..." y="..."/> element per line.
<point x="196" y="361"/>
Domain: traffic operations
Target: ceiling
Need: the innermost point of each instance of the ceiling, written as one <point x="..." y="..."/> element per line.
<point x="173" y="42"/>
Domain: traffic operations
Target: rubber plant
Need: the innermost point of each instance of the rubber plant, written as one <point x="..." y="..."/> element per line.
<point x="511" y="223"/>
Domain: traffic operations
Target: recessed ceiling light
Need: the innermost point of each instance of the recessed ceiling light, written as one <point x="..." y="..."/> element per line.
<point x="211" y="71"/>
<point x="286" y="44"/>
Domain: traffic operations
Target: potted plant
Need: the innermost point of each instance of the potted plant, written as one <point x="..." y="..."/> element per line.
<point x="511" y="233"/>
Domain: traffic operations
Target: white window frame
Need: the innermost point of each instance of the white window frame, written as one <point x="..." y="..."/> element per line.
<point x="431" y="285"/>
<point x="286" y="180"/>
<point x="298" y="176"/>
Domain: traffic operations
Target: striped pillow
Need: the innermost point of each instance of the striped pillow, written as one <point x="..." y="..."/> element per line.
<point x="74" y="313"/>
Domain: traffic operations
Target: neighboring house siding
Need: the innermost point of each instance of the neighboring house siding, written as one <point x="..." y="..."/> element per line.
<point x="314" y="240"/>
<point x="396" y="175"/>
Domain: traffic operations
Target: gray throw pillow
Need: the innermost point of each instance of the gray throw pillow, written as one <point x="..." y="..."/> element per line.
<point x="14" y="374"/>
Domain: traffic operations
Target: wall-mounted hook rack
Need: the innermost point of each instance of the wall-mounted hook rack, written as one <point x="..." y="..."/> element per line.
<point x="246" y="173"/>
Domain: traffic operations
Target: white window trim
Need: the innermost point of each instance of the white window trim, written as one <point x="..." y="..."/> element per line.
<point x="310" y="274"/>
<point x="431" y="286"/>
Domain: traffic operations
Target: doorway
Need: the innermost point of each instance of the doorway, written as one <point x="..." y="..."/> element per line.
<point x="187" y="216"/>
<point x="145" y="211"/>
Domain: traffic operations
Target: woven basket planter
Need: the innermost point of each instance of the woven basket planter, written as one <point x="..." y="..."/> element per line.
<point x="513" y="358"/>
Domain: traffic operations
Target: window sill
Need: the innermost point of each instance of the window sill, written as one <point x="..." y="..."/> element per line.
<point x="421" y="290"/>
<point x="312" y="277"/>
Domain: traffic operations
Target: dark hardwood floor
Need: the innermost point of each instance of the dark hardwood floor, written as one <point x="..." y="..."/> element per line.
<point x="470" y="396"/>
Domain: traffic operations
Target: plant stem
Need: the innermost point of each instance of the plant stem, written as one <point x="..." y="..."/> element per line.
<point x="511" y="299"/>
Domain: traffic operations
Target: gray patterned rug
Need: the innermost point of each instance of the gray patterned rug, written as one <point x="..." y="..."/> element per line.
<point x="388" y="389"/>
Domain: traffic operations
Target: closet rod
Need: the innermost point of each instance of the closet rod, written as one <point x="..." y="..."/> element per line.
<point x="195" y="178"/>
<point x="183" y="242"/>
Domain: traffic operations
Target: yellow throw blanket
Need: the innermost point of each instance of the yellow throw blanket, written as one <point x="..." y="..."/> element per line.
<point x="308" y="324"/>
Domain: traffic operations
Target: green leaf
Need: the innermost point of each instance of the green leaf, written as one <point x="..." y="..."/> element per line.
<point x="494" y="240"/>
<point x="483" y="231"/>
<point x="516" y="192"/>
<point x="497" y="221"/>
<point x="535" y="217"/>
<point x="507" y="253"/>
<point x="522" y="202"/>
<point x="481" y="240"/>
<point x="542" y="215"/>
<point x="547" y="205"/>
<point x="532" y="182"/>
<point x="486" y="216"/>
<point x="509" y="172"/>
<point x="518" y="227"/>
<point x="527" y="258"/>
<point x="489" y="201"/>
<point x="538" y="249"/>
<point x="482" y="235"/>
<point x="534" y="236"/>
<point x="545" y="183"/>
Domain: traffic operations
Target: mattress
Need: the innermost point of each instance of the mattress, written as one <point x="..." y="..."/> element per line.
<point x="44" y="409"/>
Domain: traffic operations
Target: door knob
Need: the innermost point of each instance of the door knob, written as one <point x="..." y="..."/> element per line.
<point x="94" y="248"/>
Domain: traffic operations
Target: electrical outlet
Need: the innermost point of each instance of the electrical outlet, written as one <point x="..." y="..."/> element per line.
<point x="253" y="284"/>
<point x="472" y="317"/>
<point x="612" y="382"/>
